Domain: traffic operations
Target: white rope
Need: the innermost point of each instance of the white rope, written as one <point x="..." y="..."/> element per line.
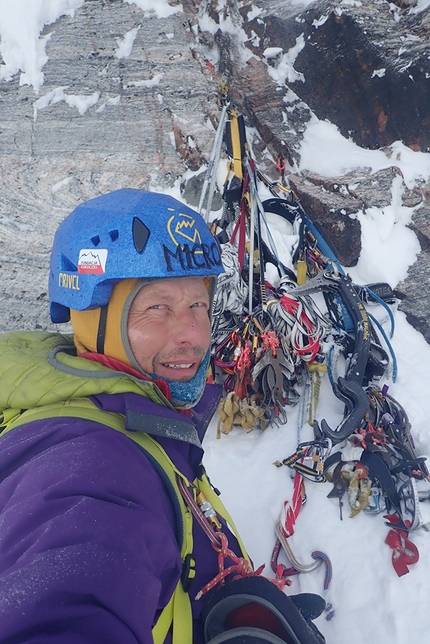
<point x="210" y="178"/>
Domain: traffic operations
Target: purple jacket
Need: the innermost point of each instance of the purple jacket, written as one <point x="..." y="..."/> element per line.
<point x="88" y="552"/>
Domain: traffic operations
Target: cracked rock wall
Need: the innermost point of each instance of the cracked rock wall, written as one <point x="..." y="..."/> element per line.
<point x="102" y="122"/>
<point x="53" y="157"/>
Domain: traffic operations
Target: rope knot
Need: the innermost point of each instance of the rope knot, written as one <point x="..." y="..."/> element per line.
<point x="243" y="569"/>
<point x="222" y="548"/>
<point x="270" y="341"/>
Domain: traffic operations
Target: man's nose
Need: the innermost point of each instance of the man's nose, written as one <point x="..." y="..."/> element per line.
<point x="188" y="328"/>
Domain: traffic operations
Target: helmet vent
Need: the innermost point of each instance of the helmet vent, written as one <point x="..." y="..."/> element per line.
<point x="140" y="234"/>
<point x="67" y="265"/>
<point x="114" y="234"/>
<point x="95" y="240"/>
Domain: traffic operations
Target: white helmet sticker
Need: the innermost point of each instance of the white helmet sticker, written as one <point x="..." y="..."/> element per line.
<point x="92" y="262"/>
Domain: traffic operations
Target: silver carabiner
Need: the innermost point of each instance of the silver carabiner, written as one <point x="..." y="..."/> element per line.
<point x="286" y="546"/>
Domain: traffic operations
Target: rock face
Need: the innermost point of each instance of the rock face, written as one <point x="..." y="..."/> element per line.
<point x="147" y="125"/>
<point x="103" y="120"/>
<point x="366" y="67"/>
<point x="414" y="292"/>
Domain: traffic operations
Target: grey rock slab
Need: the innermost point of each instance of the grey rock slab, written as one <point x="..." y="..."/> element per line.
<point x="100" y="122"/>
<point x="150" y="115"/>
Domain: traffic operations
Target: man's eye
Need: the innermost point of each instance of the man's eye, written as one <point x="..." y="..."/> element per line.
<point x="198" y="304"/>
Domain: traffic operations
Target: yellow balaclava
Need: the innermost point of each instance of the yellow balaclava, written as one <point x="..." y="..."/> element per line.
<point x="104" y="331"/>
<point x="99" y="330"/>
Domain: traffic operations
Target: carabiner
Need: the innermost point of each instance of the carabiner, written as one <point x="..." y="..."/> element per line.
<point x="286" y="546"/>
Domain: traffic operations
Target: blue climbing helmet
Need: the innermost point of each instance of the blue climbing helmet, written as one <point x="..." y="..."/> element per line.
<point x="126" y="234"/>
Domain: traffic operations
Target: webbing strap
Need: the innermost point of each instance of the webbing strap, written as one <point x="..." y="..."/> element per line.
<point x="150" y="446"/>
<point x="73" y="408"/>
<point x="178" y="610"/>
<point x="161" y="628"/>
<point x="236" y="138"/>
<point x="178" y="613"/>
<point x="240" y="225"/>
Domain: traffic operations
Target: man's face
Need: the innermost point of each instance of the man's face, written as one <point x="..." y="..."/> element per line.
<point x="168" y="327"/>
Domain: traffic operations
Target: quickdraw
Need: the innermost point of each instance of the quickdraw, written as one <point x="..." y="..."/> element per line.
<point x="284" y="530"/>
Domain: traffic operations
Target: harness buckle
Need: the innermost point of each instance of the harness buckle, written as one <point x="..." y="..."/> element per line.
<point x="188" y="572"/>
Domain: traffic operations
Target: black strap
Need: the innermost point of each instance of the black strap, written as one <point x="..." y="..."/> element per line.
<point x="101" y="333"/>
<point x="180" y="430"/>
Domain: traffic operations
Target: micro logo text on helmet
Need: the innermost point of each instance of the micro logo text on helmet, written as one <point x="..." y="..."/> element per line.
<point x="200" y="255"/>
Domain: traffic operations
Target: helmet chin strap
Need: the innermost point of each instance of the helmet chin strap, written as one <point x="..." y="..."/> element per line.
<point x="101" y="331"/>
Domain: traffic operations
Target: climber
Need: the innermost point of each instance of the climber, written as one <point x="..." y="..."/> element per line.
<point x="101" y="472"/>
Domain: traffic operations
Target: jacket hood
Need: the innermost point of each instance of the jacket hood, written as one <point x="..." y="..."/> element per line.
<point x="38" y="368"/>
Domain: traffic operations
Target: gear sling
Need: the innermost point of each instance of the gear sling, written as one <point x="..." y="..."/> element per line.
<point x="177" y="613"/>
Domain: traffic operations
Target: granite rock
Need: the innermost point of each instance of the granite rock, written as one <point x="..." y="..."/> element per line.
<point x="147" y="120"/>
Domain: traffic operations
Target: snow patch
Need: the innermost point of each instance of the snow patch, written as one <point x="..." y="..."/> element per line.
<point x="254" y="13"/>
<point x="284" y="69"/>
<point x="125" y="45"/>
<point x="272" y="52"/>
<point x="161" y="8"/>
<point x="385" y="235"/>
<point x="57" y="186"/>
<point x="228" y="23"/>
<point x="421" y="5"/>
<point x="81" y="102"/>
<point x="151" y="82"/>
<point x="379" y="72"/>
<point x="326" y="152"/>
<point x="110" y="101"/>
<point x="22" y="48"/>
<point x="318" y="23"/>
